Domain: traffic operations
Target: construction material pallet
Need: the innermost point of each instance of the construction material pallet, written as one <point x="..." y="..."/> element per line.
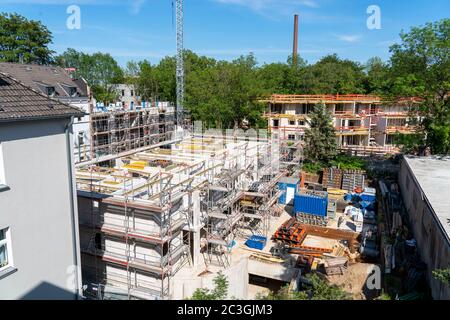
<point x="311" y="219"/>
<point x="352" y="179"/>
<point x="332" y="178"/>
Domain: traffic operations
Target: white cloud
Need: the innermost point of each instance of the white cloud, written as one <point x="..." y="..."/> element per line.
<point x="136" y="6"/>
<point x="349" y="38"/>
<point x="284" y="7"/>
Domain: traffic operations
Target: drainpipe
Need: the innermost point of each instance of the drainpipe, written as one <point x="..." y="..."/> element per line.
<point x="73" y="221"/>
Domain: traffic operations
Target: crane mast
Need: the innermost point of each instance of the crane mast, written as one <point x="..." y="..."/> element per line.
<point x="180" y="63"/>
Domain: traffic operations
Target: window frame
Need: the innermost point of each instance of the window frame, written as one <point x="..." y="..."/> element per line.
<point x="9" y="252"/>
<point x="50" y="90"/>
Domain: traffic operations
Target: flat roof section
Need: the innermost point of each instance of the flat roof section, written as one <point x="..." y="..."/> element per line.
<point x="433" y="176"/>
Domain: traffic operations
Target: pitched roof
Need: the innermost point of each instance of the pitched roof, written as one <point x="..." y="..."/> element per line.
<point x="39" y="77"/>
<point x="19" y="102"/>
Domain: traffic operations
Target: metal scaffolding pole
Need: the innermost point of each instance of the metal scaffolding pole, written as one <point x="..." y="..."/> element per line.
<point x="180" y="62"/>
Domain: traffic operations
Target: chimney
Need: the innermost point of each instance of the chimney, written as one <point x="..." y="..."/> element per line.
<point x="295" y="48"/>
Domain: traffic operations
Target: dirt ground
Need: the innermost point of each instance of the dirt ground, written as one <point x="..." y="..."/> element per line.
<point x="354" y="280"/>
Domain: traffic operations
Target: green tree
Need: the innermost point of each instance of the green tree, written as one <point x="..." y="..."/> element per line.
<point x="317" y="289"/>
<point x="23" y="40"/>
<point x="442" y="275"/>
<point x="332" y="75"/>
<point x="420" y="67"/>
<point x="99" y="69"/>
<point x="320" y="139"/>
<point x="377" y="76"/>
<point x="219" y="292"/>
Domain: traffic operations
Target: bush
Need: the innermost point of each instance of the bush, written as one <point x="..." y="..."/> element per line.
<point x="346" y="162"/>
<point x="219" y="292"/>
<point x="318" y="289"/>
<point x="341" y="161"/>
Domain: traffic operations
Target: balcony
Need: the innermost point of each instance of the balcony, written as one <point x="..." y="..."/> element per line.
<point x="344" y="113"/>
<point x="285" y="129"/>
<point x="401" y="129"/>
<point x="393" y="114"/>
<point x="359" y="130"/>
<point x="273" y="115"/>
<point x="305" y="98"/>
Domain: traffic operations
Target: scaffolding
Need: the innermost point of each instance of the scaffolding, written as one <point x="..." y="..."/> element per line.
<point x="113" y="132"/>
<point x="144" y="209"/>
<point x="126" y="217"/>
<point x="241" y="199"/>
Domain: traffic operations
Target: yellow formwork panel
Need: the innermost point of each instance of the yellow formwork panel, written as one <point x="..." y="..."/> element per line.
<point x="136" y="165"/>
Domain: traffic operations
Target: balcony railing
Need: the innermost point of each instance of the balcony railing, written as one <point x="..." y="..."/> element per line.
<point x="404" y="128"/>
<point x="352" y="128"/>
<point x="287" y="129"/>
<point x="299" y="98"/>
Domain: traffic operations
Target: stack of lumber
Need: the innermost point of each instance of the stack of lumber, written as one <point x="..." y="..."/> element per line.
<point x="335" y="266"/>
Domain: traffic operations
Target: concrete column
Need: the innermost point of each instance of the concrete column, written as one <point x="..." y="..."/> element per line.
<point x="196" y="227"/>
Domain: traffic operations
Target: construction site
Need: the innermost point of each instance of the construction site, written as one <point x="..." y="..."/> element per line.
<point x="162" y="222"/>
<point x="148" y="215"/>
<point x="163" y="209"/>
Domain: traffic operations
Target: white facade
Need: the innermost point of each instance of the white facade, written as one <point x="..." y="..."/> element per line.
<point x="38" y="210"/>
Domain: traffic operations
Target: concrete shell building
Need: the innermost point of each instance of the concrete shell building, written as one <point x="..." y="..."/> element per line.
<point x="362" y="122"/>
<point x="149" y="219"/>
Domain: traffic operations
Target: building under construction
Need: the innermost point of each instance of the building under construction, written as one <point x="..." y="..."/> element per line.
<point x="115" y="131"/>
<point x="146" y="216"/>
<point x="362" y="122"/>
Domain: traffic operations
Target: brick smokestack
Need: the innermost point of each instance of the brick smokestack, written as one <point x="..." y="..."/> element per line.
<point x="295" y="48"/>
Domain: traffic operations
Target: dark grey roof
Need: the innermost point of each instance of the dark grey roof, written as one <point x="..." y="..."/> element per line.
<point x="39" y="76"/>
<point x="19" y="102"/>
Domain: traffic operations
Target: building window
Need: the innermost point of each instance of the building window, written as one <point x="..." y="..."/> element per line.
<point x="292" y="122"/>
<point x="5" y="249"/>
<point x="80" y="138"/>
<point x="50" y="91"/>
<point x="72" y="91"/>
<point x="132" y="93"/>
<point x="98" y="241"/>
<point x="301" y="122"/>
<point x="291" y="137"/>
<point x="123" y="93"/>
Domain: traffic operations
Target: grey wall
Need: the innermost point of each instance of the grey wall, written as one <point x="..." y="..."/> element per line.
<point x="432" y="245"/>
<point x="37" y="210"/>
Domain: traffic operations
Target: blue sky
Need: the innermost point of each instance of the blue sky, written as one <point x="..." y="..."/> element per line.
<point x="225" y="29"/>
